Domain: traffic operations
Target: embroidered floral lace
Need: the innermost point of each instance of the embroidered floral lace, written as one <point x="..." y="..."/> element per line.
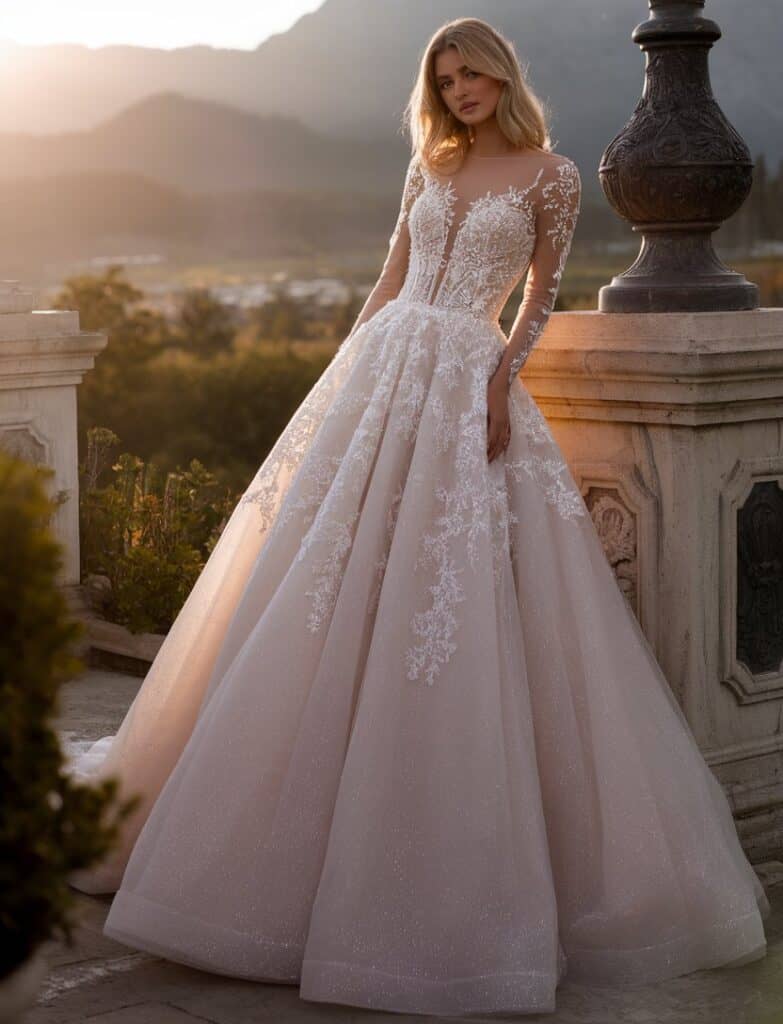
<point x="406" y="746"/>
<point x="471" y="238"/>
<point x="416" y="364"/>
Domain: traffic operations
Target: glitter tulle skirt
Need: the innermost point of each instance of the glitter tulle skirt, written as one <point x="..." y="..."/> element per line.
<point x="405" y="745"/>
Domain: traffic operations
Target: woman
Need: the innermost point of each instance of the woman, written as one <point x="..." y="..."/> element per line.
<point x="405" y="745"/>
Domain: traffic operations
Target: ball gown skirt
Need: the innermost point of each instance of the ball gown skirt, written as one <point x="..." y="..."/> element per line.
<point x="406" y="745"/>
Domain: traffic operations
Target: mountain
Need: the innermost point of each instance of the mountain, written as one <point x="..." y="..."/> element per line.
<point x="59" y="220"/>
<point x="345" y="70"/>
<point x="203" y="146"/>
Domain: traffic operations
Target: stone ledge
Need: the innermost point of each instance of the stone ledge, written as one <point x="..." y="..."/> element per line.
<point x="684" y="332"/>
<point x="108" y="644"/>
<point x="48" y="361"/>
<point x="115" y="647"/>
<point x="39" y="323"/>
<point x="15" y="297"/>
<point x="690" y="369"/>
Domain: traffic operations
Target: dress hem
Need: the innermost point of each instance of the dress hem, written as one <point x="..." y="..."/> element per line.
<point x="730" y="943"/>
<point x="240" y="955"/>
<point x="500" y="992"/>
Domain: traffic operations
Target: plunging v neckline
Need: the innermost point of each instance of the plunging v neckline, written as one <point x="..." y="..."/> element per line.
<point x="450" y="196"/>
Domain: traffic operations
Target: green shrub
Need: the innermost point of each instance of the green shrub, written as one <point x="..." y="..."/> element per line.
<point x="150" y="535"/>
<point x="50" y="825"/>
<point x="179" y="390"/>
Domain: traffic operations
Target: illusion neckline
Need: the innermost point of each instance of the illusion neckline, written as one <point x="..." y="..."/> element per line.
<point x="514" y="155"/>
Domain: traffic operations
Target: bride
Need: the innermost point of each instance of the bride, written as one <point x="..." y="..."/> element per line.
<point x="405" y="745"/>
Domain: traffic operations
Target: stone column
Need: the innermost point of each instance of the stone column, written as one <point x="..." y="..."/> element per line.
<point x="43" y="356"/>
<point x="672" y="424"/>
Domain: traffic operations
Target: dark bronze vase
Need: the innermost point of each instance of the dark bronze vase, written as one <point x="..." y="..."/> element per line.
<point x="676" y="171"/>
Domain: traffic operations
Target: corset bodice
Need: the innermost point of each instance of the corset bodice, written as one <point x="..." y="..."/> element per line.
<point x="470" y="261"/>
<point x="464" y="242"/>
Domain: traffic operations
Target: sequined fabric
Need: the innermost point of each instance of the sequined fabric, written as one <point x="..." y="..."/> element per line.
<point x="405" y="745"/>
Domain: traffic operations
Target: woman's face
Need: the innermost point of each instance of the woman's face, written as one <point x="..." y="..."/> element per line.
<point x="470" y="95"/>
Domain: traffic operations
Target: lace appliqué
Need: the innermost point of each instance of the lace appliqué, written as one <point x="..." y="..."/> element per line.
<point x="459" y="526"/>
<point x="534" y="329"/>
<point x="559" y="210"/>
<point x="380" y="565"/>
<point x="490" y="250"/>
<point x="294" y="448"/>
<point x="411" y="189"/>
<point x="330" y="536"/>
<point x="543" y="463"/>
<point x="384" y="373"/>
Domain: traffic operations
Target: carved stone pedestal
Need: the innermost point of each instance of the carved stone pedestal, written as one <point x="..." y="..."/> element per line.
<point x="43" y="356"/>
<point x="672" y="424"/>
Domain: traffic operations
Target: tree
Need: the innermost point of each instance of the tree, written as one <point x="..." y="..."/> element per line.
<point x="281" y="318"/>
<point x="345" y="315"/>
<point x="117" y="393"/>
<point x="109" y="303"/>
<point x="205" y="326"/>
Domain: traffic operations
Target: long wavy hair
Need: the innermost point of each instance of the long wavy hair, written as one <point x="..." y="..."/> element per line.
<point x="438" y="138"/>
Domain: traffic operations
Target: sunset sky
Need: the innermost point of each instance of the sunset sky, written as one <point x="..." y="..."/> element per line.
<point x="162" y="23"/>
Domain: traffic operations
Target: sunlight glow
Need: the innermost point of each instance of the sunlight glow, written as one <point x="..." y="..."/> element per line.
<point x="240" y="24"/>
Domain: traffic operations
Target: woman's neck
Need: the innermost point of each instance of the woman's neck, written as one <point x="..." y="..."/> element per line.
<point x="489" y="140"/>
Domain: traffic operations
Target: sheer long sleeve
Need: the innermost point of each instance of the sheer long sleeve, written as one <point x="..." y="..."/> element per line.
<point x="556" y="217"/>
<point x="395" y="266"/>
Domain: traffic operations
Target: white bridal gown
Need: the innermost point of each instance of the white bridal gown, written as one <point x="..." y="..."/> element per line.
<point x="405" y="745"/>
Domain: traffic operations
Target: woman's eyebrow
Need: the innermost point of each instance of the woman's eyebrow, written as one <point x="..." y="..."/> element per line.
<point x="463" y="68"/>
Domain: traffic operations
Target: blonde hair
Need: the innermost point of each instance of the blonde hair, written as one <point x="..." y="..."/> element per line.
<point x="438" y="138"/>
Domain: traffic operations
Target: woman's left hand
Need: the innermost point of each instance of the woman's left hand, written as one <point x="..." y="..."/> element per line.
<point x="498" y="422"/>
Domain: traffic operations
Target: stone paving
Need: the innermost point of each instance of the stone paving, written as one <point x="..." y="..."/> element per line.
<point x="103" y="981"/>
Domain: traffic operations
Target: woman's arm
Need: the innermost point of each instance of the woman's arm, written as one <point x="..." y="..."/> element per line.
<point x="556" y="218"/>
<point x="395" y="266"/>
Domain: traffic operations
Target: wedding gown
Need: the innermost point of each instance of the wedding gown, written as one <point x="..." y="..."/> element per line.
<point x="406" y="745"/>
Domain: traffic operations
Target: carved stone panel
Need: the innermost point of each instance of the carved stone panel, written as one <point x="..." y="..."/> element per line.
<point x="23" y="443"/>
<point x="760" y="578"/>
<point x="616" y="525"/>
<point x="751" y="580"/>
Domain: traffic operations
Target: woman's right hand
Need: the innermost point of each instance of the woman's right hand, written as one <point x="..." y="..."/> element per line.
<point x="498" y="420"/>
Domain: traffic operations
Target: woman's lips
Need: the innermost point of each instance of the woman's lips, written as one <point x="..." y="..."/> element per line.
<point x="467" y="107"/>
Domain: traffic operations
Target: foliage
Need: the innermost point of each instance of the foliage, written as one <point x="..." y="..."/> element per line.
<point x="345" y="315"/>
<point x="150" y="535"/>
<point x="50" y="826"/>
<point x="280" y="319"/>
<point x="204" y="325"/>
<point x="110" y="303"/>
<point x="768" y="275"/>
<point x="170" y="405"/>
<point x="120" y="379"/>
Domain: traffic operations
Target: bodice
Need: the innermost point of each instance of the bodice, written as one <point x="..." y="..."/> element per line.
<point x="464" y="242"/>
<point x="468" y="253"/>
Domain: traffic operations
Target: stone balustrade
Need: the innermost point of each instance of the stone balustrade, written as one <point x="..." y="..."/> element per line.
<point x="43" y="357"/>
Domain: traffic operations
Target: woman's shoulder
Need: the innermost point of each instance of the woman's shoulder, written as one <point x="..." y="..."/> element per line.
<point x="414" y="179"/>
<point x="559" y="165"/>
<point x="416" y="171"/>
<point x="554" y="164"/>
<point x="558" y="175"/>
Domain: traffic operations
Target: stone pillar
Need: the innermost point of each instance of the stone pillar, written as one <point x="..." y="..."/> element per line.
<point x="672" y="424"/>
<point x="43" y="356"/>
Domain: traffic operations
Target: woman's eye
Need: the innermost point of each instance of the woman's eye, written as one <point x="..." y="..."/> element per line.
<point x="444" y="84"/>
<point x="471" y="74"/>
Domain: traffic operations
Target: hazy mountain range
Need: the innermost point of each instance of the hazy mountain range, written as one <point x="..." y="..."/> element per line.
<point x="294" y="148"/>
<point x="344" y="73"/>
<point x="51" y="225"/>
<point x="203" y="146"/>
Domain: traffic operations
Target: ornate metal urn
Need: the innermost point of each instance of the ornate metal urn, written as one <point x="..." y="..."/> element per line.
<point x="677" y="170"/>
